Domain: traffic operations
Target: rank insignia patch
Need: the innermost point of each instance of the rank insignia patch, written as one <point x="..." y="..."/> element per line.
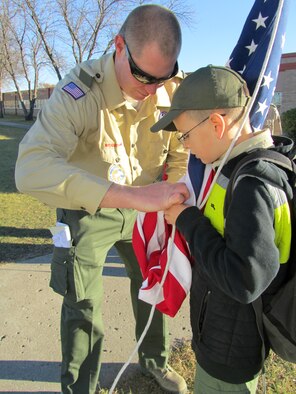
<point x="74" y="90"/>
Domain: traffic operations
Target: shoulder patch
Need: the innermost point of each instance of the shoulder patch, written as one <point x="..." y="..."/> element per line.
<point x="74" y="90"/>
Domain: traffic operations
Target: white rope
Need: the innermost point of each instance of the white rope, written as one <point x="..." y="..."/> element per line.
<point x="170" y="241"/>
<point x="169" y="249"/>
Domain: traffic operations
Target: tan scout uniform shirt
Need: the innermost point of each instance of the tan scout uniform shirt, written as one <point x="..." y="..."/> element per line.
<point x="79" y="146"/>
<point x="273" y="120"/>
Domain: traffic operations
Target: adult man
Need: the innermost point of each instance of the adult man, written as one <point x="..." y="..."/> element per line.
<point x="89" y="144"/>
<point x="273" y="120"/>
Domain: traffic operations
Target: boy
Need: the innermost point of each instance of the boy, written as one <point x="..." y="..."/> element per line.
<point x="241" y="256"/>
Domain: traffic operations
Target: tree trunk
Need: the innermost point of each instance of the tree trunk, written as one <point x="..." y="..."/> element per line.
<point x="30" y="114"/>
<point x="1" y="109"/>
<point x="24" y="108"/>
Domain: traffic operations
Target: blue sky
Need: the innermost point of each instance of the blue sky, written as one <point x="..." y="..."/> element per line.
<point x="217" y="27"/>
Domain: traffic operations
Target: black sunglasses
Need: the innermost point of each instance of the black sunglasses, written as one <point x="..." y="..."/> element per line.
<point x="142" y="76"/>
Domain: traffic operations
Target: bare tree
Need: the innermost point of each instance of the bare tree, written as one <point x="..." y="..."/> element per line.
<point x="3" y="73"/>
<point x="70" y="28"/>
<point x="21" y="47"/>
<point x="1" y="95"/>
<point x="28" y="52"/>
<point x="78" y="30"/>
<point x="84" y="20"/>
<point x="40" y="13"/>
<point x="10" y="55"/>
<point x="1" y="77"/>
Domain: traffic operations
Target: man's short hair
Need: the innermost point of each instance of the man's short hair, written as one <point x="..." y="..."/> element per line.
<point x="152" y="23"/>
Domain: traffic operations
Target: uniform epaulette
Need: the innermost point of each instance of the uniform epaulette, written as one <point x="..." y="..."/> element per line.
<point x="85" y="78"/>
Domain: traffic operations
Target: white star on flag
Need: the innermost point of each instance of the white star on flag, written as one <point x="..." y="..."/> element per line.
<point x="228" y="63"/>
<point x="257" y="128"/>
<point x="243" y="70"/>
<point x="267" y="80"/>
<point x="262" y="107"/>
<point x="252" y="47"/>
<point x="260" y="21"/>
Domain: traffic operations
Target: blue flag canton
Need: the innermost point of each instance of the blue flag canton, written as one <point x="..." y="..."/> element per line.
<point x="250" y="51"/>
<point x="196" y="171"/>
<point x="74" y="90"/>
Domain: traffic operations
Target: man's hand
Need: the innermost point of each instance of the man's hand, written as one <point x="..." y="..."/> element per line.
<point x="171" y="214"/>
<point x="150" y="198"/>
<point x="161" y="196"/>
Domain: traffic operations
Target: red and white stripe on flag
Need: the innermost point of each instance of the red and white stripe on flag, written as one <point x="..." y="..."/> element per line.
<point x="150" y="240"/>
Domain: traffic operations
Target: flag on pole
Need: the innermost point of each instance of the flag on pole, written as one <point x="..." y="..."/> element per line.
<point x="265" y="25"/>
<point x="263" y="34"/>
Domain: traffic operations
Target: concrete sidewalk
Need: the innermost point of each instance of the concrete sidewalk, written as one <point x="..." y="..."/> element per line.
<point x="29" y="326"/>
<point x="16" y="125"/>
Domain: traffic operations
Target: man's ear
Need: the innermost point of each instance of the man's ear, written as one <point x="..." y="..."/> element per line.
<point x="119" y="43"/>
<point x="219" y="124"/>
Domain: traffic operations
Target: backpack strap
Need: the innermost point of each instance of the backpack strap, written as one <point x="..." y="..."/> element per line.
<point x="269" y="155"/>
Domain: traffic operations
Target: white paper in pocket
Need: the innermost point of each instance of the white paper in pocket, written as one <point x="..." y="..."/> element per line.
<point x="61" y="235"/>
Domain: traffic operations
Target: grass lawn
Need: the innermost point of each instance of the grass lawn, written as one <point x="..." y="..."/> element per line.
<point x="24" y="233"/>
<point x="24" y="221"/>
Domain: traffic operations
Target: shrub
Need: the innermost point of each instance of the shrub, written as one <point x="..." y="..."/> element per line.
<point x="288" y="119"/>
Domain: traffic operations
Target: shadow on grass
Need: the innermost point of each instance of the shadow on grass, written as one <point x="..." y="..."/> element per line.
<point x="24" y="232"/>
<point x="24" y="249"/>
<point x="11" y="252"/>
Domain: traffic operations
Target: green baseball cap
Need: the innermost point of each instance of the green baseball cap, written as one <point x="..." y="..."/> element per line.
<point x="206" y="88"/>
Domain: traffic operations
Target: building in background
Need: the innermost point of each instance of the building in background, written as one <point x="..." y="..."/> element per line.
<point x="12" y="105"/>
<point x="285" y="92"/>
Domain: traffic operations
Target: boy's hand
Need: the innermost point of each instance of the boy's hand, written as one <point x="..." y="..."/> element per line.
<point x="171" y="214"/>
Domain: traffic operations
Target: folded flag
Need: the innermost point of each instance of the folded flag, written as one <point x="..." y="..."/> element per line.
<point x="150" y="240"/>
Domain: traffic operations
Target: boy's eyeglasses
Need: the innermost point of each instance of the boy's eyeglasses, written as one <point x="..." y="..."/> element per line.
<point x="144" y="77"/>
<point x="184" y="136"/>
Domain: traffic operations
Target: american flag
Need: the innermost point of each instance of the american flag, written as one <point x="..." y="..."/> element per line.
<point x="74" y="90"/>
<point x="151" y="237"/>
<point x="248" y="56"/>
<point x="151" y="233"/>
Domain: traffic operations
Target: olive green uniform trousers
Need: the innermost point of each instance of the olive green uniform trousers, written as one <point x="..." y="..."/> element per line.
<point x="76" y="273"/>
<point x="207" y="384"/>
